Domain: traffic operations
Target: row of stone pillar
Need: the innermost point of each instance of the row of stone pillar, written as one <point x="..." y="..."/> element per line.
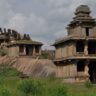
<point x="33" y="51"/>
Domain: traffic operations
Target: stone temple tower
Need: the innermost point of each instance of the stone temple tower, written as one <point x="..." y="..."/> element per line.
<point x="75" y="55"/>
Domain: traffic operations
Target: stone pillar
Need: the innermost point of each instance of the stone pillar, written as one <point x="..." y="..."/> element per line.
<point x="24" y="50"/>
<point x="39" y="50"/>
<point x="74" y="49"/>
<point x="86" y="69"/>
<point x="34" y="53"/>
<point x="86" y="49"/>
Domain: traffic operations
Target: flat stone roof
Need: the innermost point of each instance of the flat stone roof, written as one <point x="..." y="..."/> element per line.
<point x="75" y="58"/>
<point x="25" y="42"/>
<point x="70" y="38"/>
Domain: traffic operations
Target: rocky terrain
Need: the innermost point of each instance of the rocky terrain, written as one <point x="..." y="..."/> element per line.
<point x="29" y="66"/>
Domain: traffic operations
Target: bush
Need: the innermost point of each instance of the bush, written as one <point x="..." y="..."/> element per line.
<point x="61" y="91"/>
<point x="7" y="71"/>
<point x="25" y="86"/>
<point x="30" y="87"/>
<point x="88" y="84"/>
<point x="4" y="92"/>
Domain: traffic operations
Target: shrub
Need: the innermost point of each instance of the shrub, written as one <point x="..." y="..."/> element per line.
<point x="88" y="84"/>
<point x="7" y="71"/>
<point x="30" y="87"/>
<point x="45" y="55"/>
<point x="61" y="91"/>
<point x="25" y="86"/>
<point x="4" y="92"/>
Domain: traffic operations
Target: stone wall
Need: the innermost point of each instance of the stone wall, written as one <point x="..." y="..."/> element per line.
<point x="67" y="71"/>
<point x="65" y="50"/>
<point x="13" y="51"/>
<point x="81" y="31"/>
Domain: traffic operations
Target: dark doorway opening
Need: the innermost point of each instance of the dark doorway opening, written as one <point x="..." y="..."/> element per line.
<point x="37" y="49"/>
<point x="80" y="46"/>
<point x="92" y="71"/>
<point x="80" y="66"/>
<point x="27" y="50"/>
<point x="87" y="31"/>
<point x="91" y="47"/>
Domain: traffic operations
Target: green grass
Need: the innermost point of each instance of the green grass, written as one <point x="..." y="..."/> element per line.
<point x="9" y="80"/>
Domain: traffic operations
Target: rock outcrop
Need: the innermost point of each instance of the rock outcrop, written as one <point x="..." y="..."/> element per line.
<point x="30" y="67"/>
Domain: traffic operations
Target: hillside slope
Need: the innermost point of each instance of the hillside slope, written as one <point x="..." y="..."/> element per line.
<point x="30" y="67"/>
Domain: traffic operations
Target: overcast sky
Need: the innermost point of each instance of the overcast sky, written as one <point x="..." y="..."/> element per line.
<point x="44" y="20"/>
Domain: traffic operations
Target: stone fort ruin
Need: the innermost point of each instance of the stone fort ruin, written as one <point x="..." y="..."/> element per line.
<point x="23" y="54"/>
<point x="15" y="44"/>
<point x="75" y="55"/>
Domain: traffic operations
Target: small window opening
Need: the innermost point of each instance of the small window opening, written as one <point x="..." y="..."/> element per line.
<point x="80" y="46"/>
<point x="80" y="66"/>
<point x="87" y="31"/>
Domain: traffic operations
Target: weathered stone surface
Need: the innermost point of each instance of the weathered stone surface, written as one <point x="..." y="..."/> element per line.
<point x="83" y="8"/>
<point x="31" y="67"/>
